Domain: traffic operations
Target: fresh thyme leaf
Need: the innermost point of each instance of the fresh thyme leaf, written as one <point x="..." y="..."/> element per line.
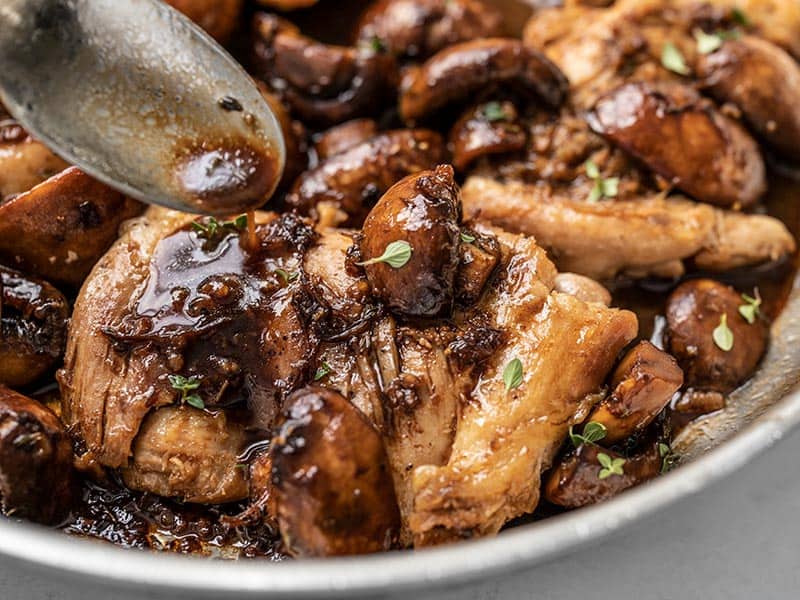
<point x="512" y="374"/>
<point x="467" y="238"/>
<point x="396" y="255"/>
<point x="610" y="466"/>
<point x="592" y="432"/>
<point x="240" y="222"/>
<point x="673" y="60"/>
<point x="288" y="277"/>
<point x="211" y="227"/>
<point x="668" y="459"/>
<point x="195" y="401"/>
<point x="494" y="111"/>
<point x="751" y="309"/>
<point x="375" y="44"/>
<point x="603" y="188"/>
<point x="185" y="385"/>
<point x="322" y="371"/>
<point x="707" y="42"/>
<point x="741" y="17"/>
<point x="723" y="336"/>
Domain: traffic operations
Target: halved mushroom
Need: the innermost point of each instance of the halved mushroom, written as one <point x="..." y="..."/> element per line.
<point x="460" y="72"/>
<point x="36" y="475"/>
<point x="60" y="228"/>
<point x="581" y="479"/>
<point x="416" y="29"/>
<point x="24" y="162"/>
<point x="764" y="82"/>
<point x="218" y="17"/>
<point x="683" y="138"/>
<point x="33" y="327"/>
<point x="343" y="137"/>
<point x="323" y="84"/>
<point x="349" y="183"/>
<point x="331" y="479"/>
<point x="490" y="128"/>
<point x="715" y="345"/>
<point x="643" y="384"/>
<point x="423" y="212"/>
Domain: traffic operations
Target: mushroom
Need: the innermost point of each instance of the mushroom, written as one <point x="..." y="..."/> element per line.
<point x="218" y="17"/>
<point x="24" y="162"/>
<point x="673" y="130"/>
<point x="489" y="128"/>
<point x="583" y="288"/>
<point x="332" y="485"/>
<point x="60" y="228"/>
<point x="343" y="137"/>
<point x="351" y="182"/>
<point x="323" y="84"/>
<point x="294" y="138"/>
<point x="478" y="257"/>
<point x="422" y="212"/>
<point x="33" y="327"/>
<point x="580" y="479"/>
<point x="459" y="72"/>
<point x="715" y="345"/>
<point x="763" y="80"/>
<point x="287" y="4"/>
<point x="643" y="384"/>
<point x="36" y="474"/>
<point x="417" y="29"/>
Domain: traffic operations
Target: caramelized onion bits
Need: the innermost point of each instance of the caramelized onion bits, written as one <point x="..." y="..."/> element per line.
<point x="61" y="228"/>
<point x="343" y="137"/>
<point x="576" y="480"/>
<point x="672" y="130"/>
<point x="352" y="181"/>
<point x="694" y="311"/>
<point x="33" y="327"/>
<point x="36" y="475"/>
<point x="416" y="29"/>
<point x="763" y="80"/>
<point x="323" y="84"/>
<point x="331" y="480"/>
<point x="218" y="17"/>
<point x="422" y="210"/>
<point x="489" y="128"/>
<point x="643" y="384"/>
<point x="459" y="72"/>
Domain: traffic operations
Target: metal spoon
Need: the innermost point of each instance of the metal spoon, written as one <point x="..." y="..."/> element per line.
<point x="139" y="97"/>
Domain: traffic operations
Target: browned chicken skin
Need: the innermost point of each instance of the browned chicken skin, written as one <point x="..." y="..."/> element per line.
<point x="36" y="476"/>
<point x="33" y="328"/>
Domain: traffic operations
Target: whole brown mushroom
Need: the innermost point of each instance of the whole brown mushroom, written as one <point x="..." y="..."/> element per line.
<point x="694" y="311"/>
<point x="422" y="212"/>
<point x="345" y="136"/>
<point x="332" y="486"/>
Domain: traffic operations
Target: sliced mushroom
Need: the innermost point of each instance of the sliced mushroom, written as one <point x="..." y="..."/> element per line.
<point x="576" y="480"/>
<point x="694" y="311"/>
<point x="218" y="17"/>
<point x="343" y="137"/>
<point x="643" y="384"/>
<point x="674" y="131"/>
<point x="459" y="72"/>
<point x="352" y="181"/>
<point x="59" y="229"/>
<point x="478" y="258"/>
<point x="24" y="162"/>
<point x="33" y="327"/>
<point x="332" y="484"/>
<point x="323" y="84"/>
<point x="423" y="212"/>
<point x="417" y="29"/>
<point x="36" y="475"/>
<point x="490" y="128"/>
<point x="764" y="82"/>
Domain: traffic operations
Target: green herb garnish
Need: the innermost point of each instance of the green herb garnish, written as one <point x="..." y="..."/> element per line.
<point x="494" y="111"/>
<point x="673" y="60"/>
<point x="711" y="42"/>
<point x="611" y="466"/>
<point x="738" y="15"/>
<point x="751" y="309"/>
<point x="592" y="432"/>
<point x="187" y="385"/>
<point x="467" y="238"/>
<point x="322" y="371"/>
<point x="512" y="374"/>
<point x="211" y="227"/>
<point x="723" y="336"/>
<point x="288" y="277"/>
<point x="668" y="459"/>
<point x="603" y="187"/>
<point x="396" y="255"/>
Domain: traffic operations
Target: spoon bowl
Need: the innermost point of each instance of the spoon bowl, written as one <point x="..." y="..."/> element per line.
<point x="136" y="95"/>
